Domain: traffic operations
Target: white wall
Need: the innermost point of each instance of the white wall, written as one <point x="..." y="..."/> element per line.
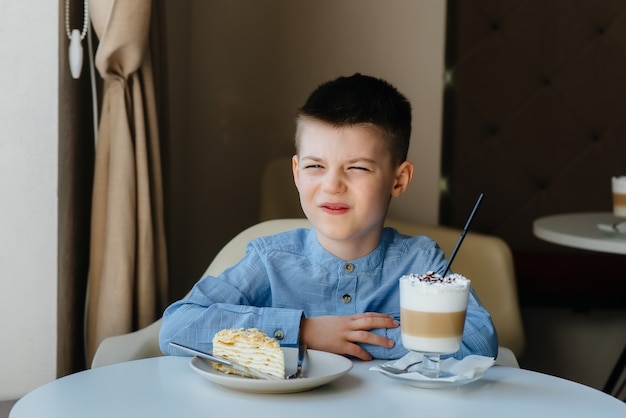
<point x="28" y="194"/>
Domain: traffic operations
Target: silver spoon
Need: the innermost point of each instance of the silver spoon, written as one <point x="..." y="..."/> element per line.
<point x="397" y="370"/>
<point x="620" y="227"/>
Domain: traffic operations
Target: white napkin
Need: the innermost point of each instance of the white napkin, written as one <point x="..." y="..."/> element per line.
<point x="465" y="369"/>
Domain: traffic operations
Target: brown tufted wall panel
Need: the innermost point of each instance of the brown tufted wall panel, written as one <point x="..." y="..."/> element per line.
<point x="535" y="118"/>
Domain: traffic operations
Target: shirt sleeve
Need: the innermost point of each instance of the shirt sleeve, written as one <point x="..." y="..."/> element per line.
<point x="240" y="297"/>
<point x="479" y="334"/>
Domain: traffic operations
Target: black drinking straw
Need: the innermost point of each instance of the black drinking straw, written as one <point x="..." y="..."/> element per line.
<point x="465" y="228"/>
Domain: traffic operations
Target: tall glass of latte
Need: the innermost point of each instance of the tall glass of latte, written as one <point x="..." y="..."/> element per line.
<point x="618" y="185"/>
<point x="432" y="316"/>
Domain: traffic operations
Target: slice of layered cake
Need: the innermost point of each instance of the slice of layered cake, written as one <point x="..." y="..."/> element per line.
<point x="251" y="348"/>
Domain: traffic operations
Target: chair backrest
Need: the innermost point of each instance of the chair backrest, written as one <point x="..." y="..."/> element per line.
<point x="485" y="260"/>
<point x="234" y="250"/>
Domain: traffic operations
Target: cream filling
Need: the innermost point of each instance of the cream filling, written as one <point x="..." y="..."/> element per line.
<point x="270" y="361"/>
<point x="251" y="348"/>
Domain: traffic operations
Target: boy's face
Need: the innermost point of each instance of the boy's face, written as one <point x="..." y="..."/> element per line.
<point x="346" y="179"/>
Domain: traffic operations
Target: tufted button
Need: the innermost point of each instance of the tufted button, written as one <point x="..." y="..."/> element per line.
<point x="346" y="298"/>
<point x="349" y="267"/>
<point x="600" y="30"/>
<point x="494" y="25"/>
<point x="279" y="335"/>
<point x="595" y="136"/>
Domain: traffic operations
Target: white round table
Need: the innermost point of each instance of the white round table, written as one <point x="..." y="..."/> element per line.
<point x="168" y="387"/>
<point x="580" y="230"/>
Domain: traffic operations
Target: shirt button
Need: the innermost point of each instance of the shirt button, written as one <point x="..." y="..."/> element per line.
<point x="346" y="298"/>
<point x="279" y="335"/>
<point x="349" y="267"/>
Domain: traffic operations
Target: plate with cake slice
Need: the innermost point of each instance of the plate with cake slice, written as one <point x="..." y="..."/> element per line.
<point x="319" y="368"/>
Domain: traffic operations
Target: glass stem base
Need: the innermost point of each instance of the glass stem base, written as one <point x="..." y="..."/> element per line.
<point x="431" y="368"/>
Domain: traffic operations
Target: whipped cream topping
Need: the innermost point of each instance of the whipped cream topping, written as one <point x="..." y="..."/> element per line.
<point x="432" y="278"/>
<point x="430" y="292"/>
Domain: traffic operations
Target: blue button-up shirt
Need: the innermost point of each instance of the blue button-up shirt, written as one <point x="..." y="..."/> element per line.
<point x="285" y="276"/>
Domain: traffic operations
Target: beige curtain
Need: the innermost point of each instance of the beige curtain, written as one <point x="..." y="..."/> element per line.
<point x="128" y="269"/>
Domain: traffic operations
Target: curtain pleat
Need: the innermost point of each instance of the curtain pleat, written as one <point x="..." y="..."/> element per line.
<point x="128" y="265"/>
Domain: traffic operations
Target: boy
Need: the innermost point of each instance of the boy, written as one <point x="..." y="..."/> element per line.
<point x="335" y="286"/>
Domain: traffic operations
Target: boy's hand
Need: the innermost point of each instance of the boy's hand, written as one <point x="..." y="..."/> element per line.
<point x="340" y="334"/>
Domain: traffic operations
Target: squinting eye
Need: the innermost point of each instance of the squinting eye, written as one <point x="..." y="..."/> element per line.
<point x="360" y="168"/>
<point x="313" y="166"/>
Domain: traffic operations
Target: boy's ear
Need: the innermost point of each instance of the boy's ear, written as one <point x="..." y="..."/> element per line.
<point x="404" y="175"/>
<point x="294" y="169"/>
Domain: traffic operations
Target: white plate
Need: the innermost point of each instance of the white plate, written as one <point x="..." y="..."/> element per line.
<point x="319" y="368"/>
<point x="429" y="383"/>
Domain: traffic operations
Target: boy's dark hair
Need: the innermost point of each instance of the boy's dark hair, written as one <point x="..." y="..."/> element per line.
<point x="361" y="99"/>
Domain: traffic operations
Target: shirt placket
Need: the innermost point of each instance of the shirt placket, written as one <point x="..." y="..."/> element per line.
<point x="346" y="290"/>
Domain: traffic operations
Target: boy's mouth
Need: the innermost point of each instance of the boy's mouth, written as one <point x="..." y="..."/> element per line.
<point x="334" y="208"/>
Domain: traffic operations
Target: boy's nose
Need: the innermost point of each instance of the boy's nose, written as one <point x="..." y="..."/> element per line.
<point x="334" y="182"/>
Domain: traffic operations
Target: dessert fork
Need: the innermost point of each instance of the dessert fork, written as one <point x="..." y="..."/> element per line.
<point x="225" y="362"/>
<point x="301" y="353"/>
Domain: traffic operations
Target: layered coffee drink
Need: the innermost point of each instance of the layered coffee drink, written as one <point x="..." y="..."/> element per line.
<point x="618" y="185"/>
<point x="432" y="311"/>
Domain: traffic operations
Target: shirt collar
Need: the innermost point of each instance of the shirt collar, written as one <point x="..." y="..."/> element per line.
<point x="366" y="263"/>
